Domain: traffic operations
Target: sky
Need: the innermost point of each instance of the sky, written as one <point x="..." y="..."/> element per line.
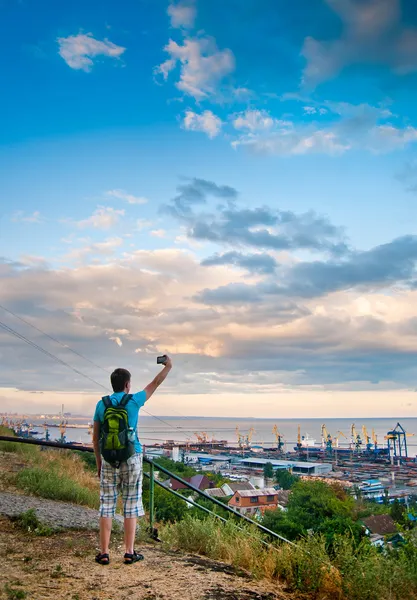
<point x="232" y="183"/>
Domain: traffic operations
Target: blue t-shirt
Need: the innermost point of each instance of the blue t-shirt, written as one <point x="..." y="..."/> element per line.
<point x="133" y="407"/>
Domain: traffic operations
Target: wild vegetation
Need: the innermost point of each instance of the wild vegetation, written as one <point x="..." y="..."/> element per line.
<point x="331" y="554"/>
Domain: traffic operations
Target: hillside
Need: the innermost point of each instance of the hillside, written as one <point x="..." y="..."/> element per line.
<point x="61" y="565"/>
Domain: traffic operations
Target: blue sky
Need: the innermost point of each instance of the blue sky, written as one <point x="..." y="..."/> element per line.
<point x="243" y="174"/>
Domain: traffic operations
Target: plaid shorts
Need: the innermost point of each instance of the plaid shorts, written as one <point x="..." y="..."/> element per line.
<point x="127" y="480"/>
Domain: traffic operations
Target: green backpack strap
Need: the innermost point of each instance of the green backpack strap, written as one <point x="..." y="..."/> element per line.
<point x="125" y="400"/>
<point x="106" y="401"/>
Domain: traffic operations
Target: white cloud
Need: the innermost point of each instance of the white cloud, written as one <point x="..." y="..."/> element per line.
<point x="143" y="224"/>
<point x="309" y="110"/>
<point x="20" y="216"/>
<point x="123" y="195"/>
<point x="385" y="138"/>
<point x="117" y="340"/>
<point x="254" y="120"/>
<point x="105" y="248"/>
<point x="293" y="141"/>
<point x="160" y="233"/>
<point x="78" y="51"/>
<point x="202" y="66"/>
<point x="206" y="122"/>
<point x="182" y="13"/>
<point x="351" y="126"/>
<point x="104" y="217"/>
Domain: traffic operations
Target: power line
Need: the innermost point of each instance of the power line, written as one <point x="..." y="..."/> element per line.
<point x="21" y="337"/>
<point x="52" y="338"/>
<point x="66" y="347"/>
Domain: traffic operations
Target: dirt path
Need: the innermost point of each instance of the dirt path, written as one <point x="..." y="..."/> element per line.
<point x="62" y="567"/>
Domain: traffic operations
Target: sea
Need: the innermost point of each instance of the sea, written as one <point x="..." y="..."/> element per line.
<point x="154" y="430"/>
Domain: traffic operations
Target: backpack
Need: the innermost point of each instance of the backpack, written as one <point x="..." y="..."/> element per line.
<point x="115" y="443"/>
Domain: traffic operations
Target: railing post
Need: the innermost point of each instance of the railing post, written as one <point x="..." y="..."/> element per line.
<point x="151" y="495"/>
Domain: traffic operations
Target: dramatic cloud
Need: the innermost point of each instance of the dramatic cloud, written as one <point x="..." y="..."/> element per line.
<point x="182" y="13"/>
<point x="261" y="227"/>
<point x="372" y="33"/>
<point x="78" y="51"/>
<point x="104" y="217"/>
<point x="196" y="191"/>
<point x="203" y="67"/>
<point x="255" y="263"/>
<point x="129" y="198"/>
<point x="207" y="122"/>
<point x="128" y="311"/>
<point x="381" y="267"/>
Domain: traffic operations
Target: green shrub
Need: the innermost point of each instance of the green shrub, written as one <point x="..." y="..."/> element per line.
<point x="29" y="522"/>
<point x="14" y="594"/>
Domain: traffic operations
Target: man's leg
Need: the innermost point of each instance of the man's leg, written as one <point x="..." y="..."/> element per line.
<point x="105" y="532"/>
<point x="131" y="477"/>
<point x="130" y="532"/>
<point x="108" y="499"/>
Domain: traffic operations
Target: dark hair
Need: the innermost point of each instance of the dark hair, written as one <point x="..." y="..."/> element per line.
<point x="119" y="378"/>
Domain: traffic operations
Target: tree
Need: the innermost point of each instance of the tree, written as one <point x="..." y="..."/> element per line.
<point x="285" y="479"/>
<point x="178" y="468"/>
<point x="316" y="506"/>
<point x="268" y="470"/>
<point x="398" y="512"/>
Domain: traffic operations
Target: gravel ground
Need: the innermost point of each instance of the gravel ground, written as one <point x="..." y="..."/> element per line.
<point x="52" y="513"/>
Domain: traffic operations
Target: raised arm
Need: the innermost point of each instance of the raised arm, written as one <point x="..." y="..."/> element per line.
<point x="151" y="387"/>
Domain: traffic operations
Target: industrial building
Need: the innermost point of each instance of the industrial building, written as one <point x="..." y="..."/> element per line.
<point x="303" y="468"/>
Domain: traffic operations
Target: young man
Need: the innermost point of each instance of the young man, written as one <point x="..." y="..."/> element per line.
<point x="125" y="477"/>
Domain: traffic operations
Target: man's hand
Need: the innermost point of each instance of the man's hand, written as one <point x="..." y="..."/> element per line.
<point x="168" y="363"/>
<point x="99" y="469"/>
<point x="151" y="387"/>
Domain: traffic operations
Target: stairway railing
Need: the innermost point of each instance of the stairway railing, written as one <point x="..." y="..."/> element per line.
<point x="152" y="480"/>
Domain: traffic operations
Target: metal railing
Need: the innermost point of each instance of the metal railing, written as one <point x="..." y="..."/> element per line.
<point x="153" y="466"/>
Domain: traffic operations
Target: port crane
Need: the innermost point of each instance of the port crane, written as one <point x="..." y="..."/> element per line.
<point x="46" y="430"/>
<point x="62" y="430"/>
<point x="397" y="442"/>
<point x="249" y="437"/>
<point x="355" y="439"/>
<point x="201" y="436"/>
<point x="326" y="440"/>
<point x="367" y="439"/>
<point x="279" y="439"/>
<point x="299" y="442"/>
<point x="339" y="433"/>
<point x="244" y="441"/>
<point x="240" y="438"/>
<point x="375" y="439"/>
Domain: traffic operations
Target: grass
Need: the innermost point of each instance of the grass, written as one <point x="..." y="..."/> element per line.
<point x="355" y="571"/>
<point x="53" y="474"/>
<point x="28" y="521"/>
<point x="50" y="482"/>
<point x="13" y="593"/>
<point x="24" y="450"/>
